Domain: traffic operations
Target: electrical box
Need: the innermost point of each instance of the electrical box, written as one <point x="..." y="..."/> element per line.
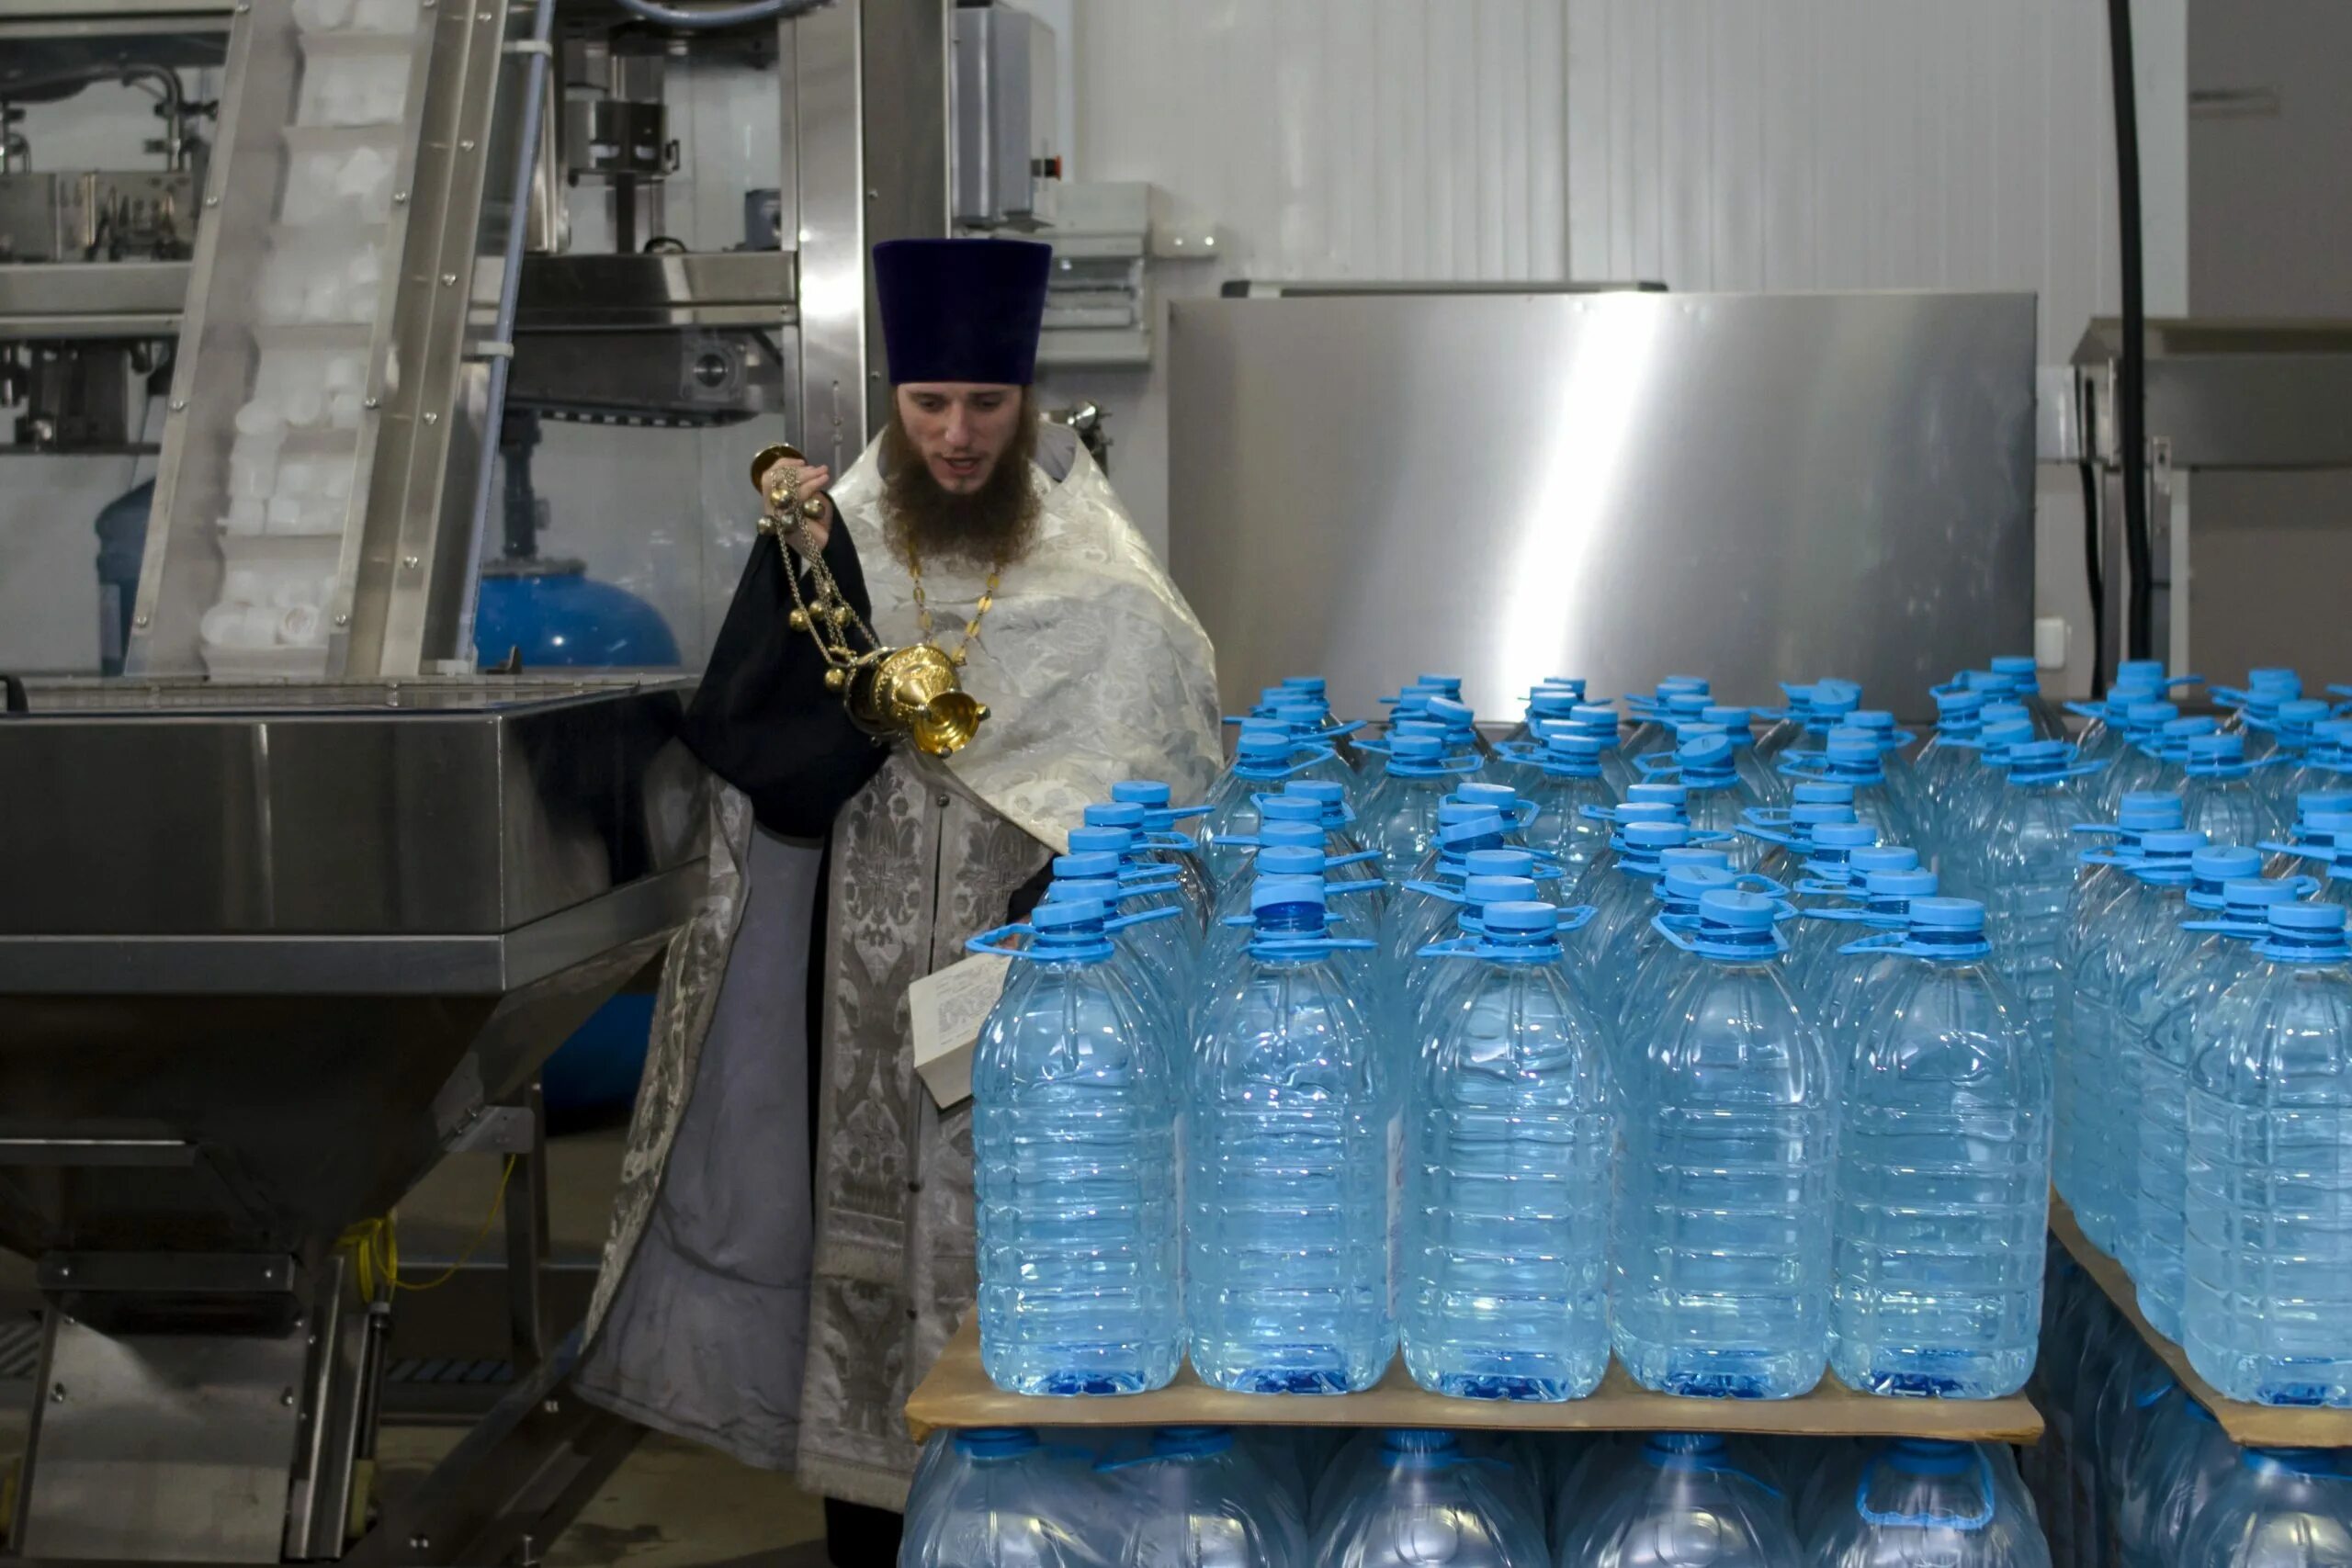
<point x="1004" y="154"/>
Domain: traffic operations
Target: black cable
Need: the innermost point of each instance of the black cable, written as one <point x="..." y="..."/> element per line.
<point x="2131" y="389"/>
<point x="2094" y="576"/>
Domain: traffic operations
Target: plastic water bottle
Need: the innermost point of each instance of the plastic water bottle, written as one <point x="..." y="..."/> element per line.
<point x="2025" y="686"/>
<point x="1676" y="714"/>
<point x="1198" y="1498"/>
<point x="1074" y="1171"/>
<point x="2326" y="763"/>
<point x="1171" y="842"/>
<point x="1948" y="757"/>
<point x="2292" y="733"/>
<point x="2253" y="708"/>
<point x="1787" y="836"/>
<point x="1292" y="1126"/>
<point x="1830" y="890"/>
<point x="1925" y="1504"/>
<point x="2191" y="981"/>
<point x="1342" y="845"/>
<point x="2266" y="1316"/>
<point x="1548" y="705"/>
<point x="1363" y="1457"/>
<point x="2171" y="750"/>
<point x="1685" y="1502"/>
<point x="1150" y="885"/>
<point x="1623" y="891"/>
<point x="1427" y="1502"/>
<point x="1598" y="721"/>
<point x="1479" y="797"/>
<point x="2226" y="797"/>
<point x="2103" y="1106"/>
<point x="1639" y="965"/>
<point x="1004" y="1499"/>
<point x="1723" y="1233"/>
<point x="1148" y="850"/>
<point x="2136" y="766"/>
<point x="1422" y="971"/>
<point x="2322" y="820"/>
<point x="1399" y="817"/>
<point x="1651" y="731"/>
<point x="2181" y="1458"/>
<point x="1424" y="909"/>
<point x="2279" y="1508"/>
<point x="2101" y="737"/>
<point x="1836" y="987"/>
<point x="1289" y="849"/>
<point x="1151" y="956"/>
<point x="1943" y="1172"/>
<point x="2025" y="870"/>
<point x="1560" y="778"/>
<point x="2101" y="871"/>
<point x="1763" y="782"/>
<point x="1717" y="799"/>
<point x="1262" y="760"/>
<point x="1515" y="1124"/>
<point x="1853" y="758"/>
<point x="1969" y="818"/>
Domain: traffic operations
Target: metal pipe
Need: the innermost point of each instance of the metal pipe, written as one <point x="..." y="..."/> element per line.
<point x="2131" y="387"/>
<point x="723" y="17"/>
<point x="510" y="287"/>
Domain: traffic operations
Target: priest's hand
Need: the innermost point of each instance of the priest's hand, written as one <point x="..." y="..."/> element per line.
<point x="811" y="482"/>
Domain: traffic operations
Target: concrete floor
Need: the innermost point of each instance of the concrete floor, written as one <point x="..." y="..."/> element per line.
<point x="670" y="1504"/>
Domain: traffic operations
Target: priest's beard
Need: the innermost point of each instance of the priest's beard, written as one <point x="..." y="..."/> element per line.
<point x="992" y="527"/>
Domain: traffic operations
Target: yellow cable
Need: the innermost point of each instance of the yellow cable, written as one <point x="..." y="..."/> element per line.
<point x="375" y="1246"/>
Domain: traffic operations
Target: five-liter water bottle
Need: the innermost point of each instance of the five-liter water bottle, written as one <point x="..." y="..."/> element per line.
<point x="1195" y="1498"/>
<point x="1925" y="1504"/>
<point x="1002" y="1497"/>
<point x="1074" y="1161"/>
<point x="1420" y="973"/>
<point x="1290" y="848"/>
<point x="1362" y="1455"/>
<point x="1149" y="955"/>
<point x="1943" y="1171"/>
<point x="1424" y="909"/>
<point x="1293" y="1128"/>
<point x="1788" y="834"/>
<point x="2325" y="765"/>
<point x="2023" y="873"/>
<point x="2227" y="796"/>
<point x="1170" y="842"/>
<point x="1685" y="1501"/>
<point x="2254" y="708"/>
<point x="2217" y="950"/>
<point x="1829" y="888"/>
<point x="1628" y="976"/>
<point x="1346" y="851"/>
<point x="1716" y="798"/>
<point x="2180" y="1460"/>
<point x="1400" y="816"/>
<point x="1514" y="1126"/>
<point x="1653" y="729"/>
<point x="2292" y="733"/>
<point x="1624" y="889"/>
<point x="1838" y="983"/>
<point x="2133" y="765"/>
<point x="1425" y="1501"/>
<point x="2024" y="676"/>
<point x="2101" y="871"/>
<point x="2323" y="820"/>
<point x="2102" y="1109"/>
<point x="1722" y="1267"/>
<point x="2267" y="1313"/>
<point x="2276" y="1508"/>
<point x="1559" y="778"/>
<point x="1262" y="760"/>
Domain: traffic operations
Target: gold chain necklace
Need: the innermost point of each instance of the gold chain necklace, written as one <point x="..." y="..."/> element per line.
<point x="971" y="627"/>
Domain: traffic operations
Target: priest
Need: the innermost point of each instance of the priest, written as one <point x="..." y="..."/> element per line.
<point x="793" y="1241"/>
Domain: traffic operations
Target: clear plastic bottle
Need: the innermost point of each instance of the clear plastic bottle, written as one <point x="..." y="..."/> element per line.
<point x="2101" y="872"/>
<point x="1424" y="971"/>
<point x="1559" y="778"/>
<point x="2192" y="980"/>
<point x="1002" y="1498"/>
<point x="2171" y="750"/>
<point x="1598" y="721"/>
<point x="1855" y="759"/>
<point x="2293" y="735"/>
<point x="2322" y="820"/>
<point x="2227" y="796"/>
<point x="1514" y="1127"/>
<point x="1830" y="890"/>
<point x="1787" y="835"/>
<point x="1263" y="758"/>
<point x="1685" y="1501"/>
<point x="1156" y="968"/>
<point x="2253" y="708"/>
<point x="1427" y="1502"/>
<point x="2102" y="1129"/>
<point x="2135" y="766"/>
<point x="2024" y="676"/>
<point x="2267" y="1316"/>
<point x="1647" y="802"/>
<point x="2182" y="1456"/>
<point x="1363" y="1454"/>
<point x="1717" y="799"/>
<point x="1197" y="1499"/>
<point x="1074" y="1172"/>
<point x="1640" y="966"/>
<point x="2326" y="763"/>
<point x="1723" y="1230"/>
<point x="1943" y="1172"/>
<point x="1172" y="843"/>
<point x="1686" y="696"/>
<point x="1399" y="817"/>
<point x="2025" y="867"/>
<point x="1291" y="849"/>
<point x="1624" y="891"/>
<point x="1944" y="763"/>
<point x="1477" y="797"/>
<point x="2279" y="1508"/>
<point x="1832" y="990"/>
<point x="1292" y="1126"/>
<point x="1961" y="861"/>
<point x="1925" y="1504"/>
<point x="2102" y="735"/>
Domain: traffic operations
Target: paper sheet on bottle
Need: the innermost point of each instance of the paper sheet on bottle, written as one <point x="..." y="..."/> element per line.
<point x="945" y="1011"/>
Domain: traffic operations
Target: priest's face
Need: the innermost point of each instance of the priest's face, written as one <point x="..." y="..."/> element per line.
<point x="962" y="430"/>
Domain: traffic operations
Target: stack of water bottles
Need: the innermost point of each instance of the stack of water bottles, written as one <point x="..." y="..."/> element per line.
<point x="1653" y="1041"/>
<point x="1291" y="1497"/>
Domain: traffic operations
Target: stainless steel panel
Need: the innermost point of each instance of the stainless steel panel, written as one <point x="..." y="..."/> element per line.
<point x="338" y="819"/>
<point x="92" y="301"/>
<point x="1000" y="105"/>
<point x="682" y="289"/>
<point x="1754" y="488"/>
<point x="162" y="1446"/>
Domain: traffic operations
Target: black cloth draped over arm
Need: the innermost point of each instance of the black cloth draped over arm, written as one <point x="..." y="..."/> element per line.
<point x="762" y="718"/>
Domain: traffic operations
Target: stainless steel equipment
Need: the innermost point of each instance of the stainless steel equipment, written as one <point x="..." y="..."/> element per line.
<point x="2250" y="490"/>
<point x="265" y="955"/>
<point x="1002" y="107"/>
<point x="1754" y="488"/>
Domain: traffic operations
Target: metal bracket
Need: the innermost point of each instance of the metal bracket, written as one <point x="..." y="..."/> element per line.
<point x="177" y="1273"/>
<point x="498" y="1129"/>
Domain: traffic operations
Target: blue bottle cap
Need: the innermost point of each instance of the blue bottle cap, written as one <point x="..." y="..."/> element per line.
<point x="1116" y="814"/>
<point x="1568" y="743"/>
<point x="1289" y="860"/>
<point x="2216" y="748"/>
<point x="1298" y="835"/>
<point x="1946" y="914"/>
<point x="1928" y="1456"/>
<point x="1844" y="836"/>
<point x="1417" y="748"/>
<point x="2183" y="729"/>
<point x="1813" y="814"/>
<point x="2302" y="712"/>
<point x="2276" y="676"/>
<point x="1289" y="807"/>
<point x="1594" y="713"/>
<point x="1063" y="916"/>
<point x="2178" y="843"/>
<point x="2038" y="756"/>
<point x="1149" y="794"/>
<point x="2306" y="917"/>
<point x="1480" y="891"/>
<point x="1265" y="745"/>
<point x="1692" y="882"/>
<point x="1909" y="881"/>
<point x="1834" y="698"/>
<point x="1738" y="911"/>
<point x="1417" y="1441"/>
<point x="2140" y="669"/>
<point x="2151" y="715"/>
<point x="1685" y="1443"/>
<point x="1689" y="705"/>
<point x="996" y="1442"/>
<point x="1272" y="890"/>
<point x="1959" y="704"/>
<point x="1704" y="752"/>
<point x="1735" y="721"/>
<point x="1116" y="840"/>
<point x="2146" y="811"/>
<point x="1450" y="711"/>
<point x="1322" y="791"/>
<point x="2008" y="733"/>
<point x="2016" y="664"/>
<point x="1305" y="684"/>
<point x="1656" y="836"/>
<point x="1092" y="863"/>
<point x="1301" y="715"/>
<point x="1876" y="857"/>
<point x="1498" y="862"/>
<point x="1694" y="854"/>
<point x="2314" y="802"/>
<point x="1447" y="682"/>
<point x="1821" y="791"/>
<point x="1547" y="703"/>
<point x="1496" y="796"/>
<point x="2334" y="824"/>
<point x="2253" y="895"/>
<point x="2222" y="863"/>
<point x="1073" y="889"/>
<point x="1190" y="1443"/>
<point x="1635" y="811"/>
<point x="1450" y="811"/>
<point x="1486" y="825"/>
<point x="1852" y="746"/>
<point x="1656" y="794"/>
<point x="1876" y="720"/>
<point x="1673" y="683"/>
<point x="1521" y="915"/>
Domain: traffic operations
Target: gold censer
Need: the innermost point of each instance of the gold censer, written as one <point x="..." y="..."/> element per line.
<point x="888" y="692"/>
